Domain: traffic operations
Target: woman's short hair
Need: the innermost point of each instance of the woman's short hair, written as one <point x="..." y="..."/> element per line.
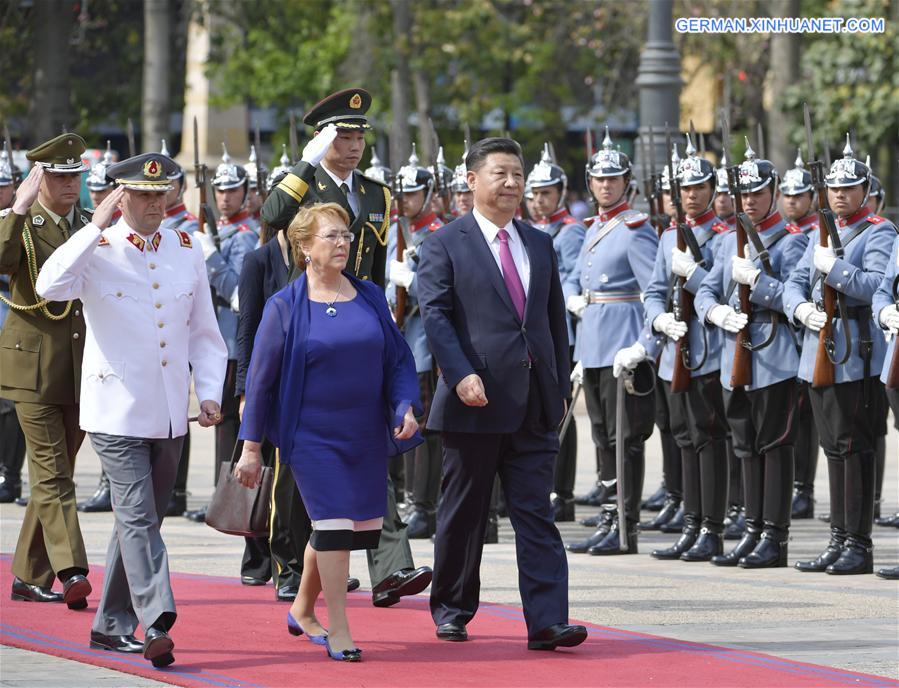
<point x="305" y="224"/>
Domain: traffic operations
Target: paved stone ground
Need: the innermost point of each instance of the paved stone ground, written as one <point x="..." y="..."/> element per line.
<point x="851" y="622"/>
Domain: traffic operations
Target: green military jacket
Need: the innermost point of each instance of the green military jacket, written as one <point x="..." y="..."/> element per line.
<point x="306" y="184"/>
<point x="40" y="357"/>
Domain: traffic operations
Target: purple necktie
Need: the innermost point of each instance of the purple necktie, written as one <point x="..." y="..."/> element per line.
<point x="510" y="273"/>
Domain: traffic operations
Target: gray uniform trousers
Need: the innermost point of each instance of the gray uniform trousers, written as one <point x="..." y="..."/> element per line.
<point x="136" y="588"/>
<point x="393" y="553"/>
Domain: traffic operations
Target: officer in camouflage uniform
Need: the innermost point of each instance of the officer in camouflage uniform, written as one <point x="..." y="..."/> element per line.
<point x="41" y="347"/>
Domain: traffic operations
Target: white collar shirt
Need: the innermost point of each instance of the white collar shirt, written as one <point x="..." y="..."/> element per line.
<point x="516" y="247"/>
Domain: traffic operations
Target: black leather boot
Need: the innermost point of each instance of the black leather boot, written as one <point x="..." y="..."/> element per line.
<point x="589" y="499"/>
<point x="420" y="525"/>
<point x="177" y="504"/>
<point x="676" y="523"/>
<point x="830" y="554"/>
<point x="857" y="557"/>
<point x="592" y="521"/>
<point x="684" y="542"/>
<point x="858" y="551"/>
<point x="563" y="509"/>
<point x="668" y="512"/>
<point x="10" y="488"/>
<point x="709" y="544"/>
<point x="611" y="544"/>
<point x="771" y="552"/>
<point x="598" y="536"/>
<point x="889" y="573"/>
<point x="803" y="502"/>
<point x="100" y="500"/>
<point x="656" y="501"/>
<point x="748" y="543"/>
<point x="735" y="523"/>
<point x="491" y="533"/>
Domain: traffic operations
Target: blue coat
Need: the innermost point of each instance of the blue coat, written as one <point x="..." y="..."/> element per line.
<point x="857" y="275"/>
<point x="568" y="237"/>
<point x="274" y="391"/>
<point x="238" y="237"/>
<point x="884" y="297"/>
<point x="473" y="327"/>
<point x="621" y="262"/>
<point x="709" y="232"/>
<point x="413" y="327"/>
<point x="779" y="360"/>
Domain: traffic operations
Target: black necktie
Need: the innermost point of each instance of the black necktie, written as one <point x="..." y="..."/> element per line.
<point x="350" y="198"/>
<point x="64" y="227"/>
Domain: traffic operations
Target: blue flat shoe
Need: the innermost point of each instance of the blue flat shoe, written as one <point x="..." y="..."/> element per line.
<point x="295" y="629"/>
<point x="354" y="655"/>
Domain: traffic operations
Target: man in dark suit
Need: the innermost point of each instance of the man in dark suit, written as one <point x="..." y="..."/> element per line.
<point x="494" y="315"/>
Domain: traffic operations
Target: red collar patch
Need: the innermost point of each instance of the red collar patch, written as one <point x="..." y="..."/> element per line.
<point x="612" y="212"/>
<point x="701" y="219"/>
<point x="769" y="221"/>
<point x="857" y="216"/>
<point x="425" y="221"/>
<point x="185" y="239"/>
<point x="136" y="241"/>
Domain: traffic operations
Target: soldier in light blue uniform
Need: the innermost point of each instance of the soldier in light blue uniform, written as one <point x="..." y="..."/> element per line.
<point x="238" y="234"/>
<point x="761" y="414"/>
<point x="697" y="415"/>
<point x="604" y="291"/>
<point x="845" y="412"/>
<point x="423" y="464"/>
<point x="547" y="188"/>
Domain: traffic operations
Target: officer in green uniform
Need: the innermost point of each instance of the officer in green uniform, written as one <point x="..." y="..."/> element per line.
<point x="327" y="174"/>
<point x="41" y="346"/>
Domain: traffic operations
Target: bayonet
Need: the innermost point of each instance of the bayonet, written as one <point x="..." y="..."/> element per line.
<point x="132" y="150"/>
<point x="292" y="138"/>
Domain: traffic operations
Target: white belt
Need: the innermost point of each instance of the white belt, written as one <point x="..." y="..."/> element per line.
<point x="611" y="296"/>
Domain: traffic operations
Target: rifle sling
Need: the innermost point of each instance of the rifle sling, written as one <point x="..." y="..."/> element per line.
<point x="848" y="239"/>
<point x="766" y="263"/>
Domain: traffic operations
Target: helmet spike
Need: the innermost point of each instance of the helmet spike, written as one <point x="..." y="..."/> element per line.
<point x="546" y="156"/>
<point x="107" y="155"/>
<point x="690" y="151"/>
<point x="252" y="157"/>
<point x="226" y="159"/>
<point x="798" y="161"/>
<point x="441" y="158"/>
<point x="675" y="157"/>
<point x="847" y="150"/>
<point x="375" y="160"/>
<point x="750" y="154"/>
<point x="285" y="160"/>
<point x="607" y="140"/>
<point x="413" y="157"/>
<point x="868" y="161"/>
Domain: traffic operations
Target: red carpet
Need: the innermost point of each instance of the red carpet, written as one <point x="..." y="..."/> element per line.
<point x="231" y="635"/>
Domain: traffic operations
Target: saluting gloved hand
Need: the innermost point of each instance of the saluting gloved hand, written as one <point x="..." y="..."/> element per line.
<point x="628" y="358"/>
<point x="576" y="303"/>
<point x="889" y="319"/>
<point x="824" y="257"/>
<point x="670" y="326"/>
<point x="400" y="274"/>
<point x="315" y="150"/>
<point x="682" y="263"/>
<point x="808" y="314"/>
<point x="727" y="318"/>
<point x="577" y="375"/>
<point x="206" y="243"/>
<point x="744" y="271"/>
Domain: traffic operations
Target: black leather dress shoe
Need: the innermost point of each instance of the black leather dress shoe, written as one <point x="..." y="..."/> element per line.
<point x="830" y="554"/>
<point x="891" y="521"/>
<point x="745" y="546"/>
<point x="352" y="584"/>
<point x="592" y="521"/>
<point x="857" y="557"/>
<point x="252" y="581"/>
<point x="735" y="524"/>
<point x="769" y="553"/>
<point x="803" y="505"/>
<point x="656" y="501"/>
<point x="177" y="504"/>
<point x="611" y="545"/>
<point x="889" y="574"/>
<point x="668" y="511"/>
<point x="453" y="631"/>
<point x="598" y="536"/>
<point x="491" y="533"/>
<point x="287" y="593"/>
<point x="10" y="489"/>
<point x="589" y="499"/>
<point x="557" y="635"/>
<point x="25" y="592"/>
<point x="196" y="515"/>
<point x="420" y="525"/>
<point x="400" y="584"/>
<point x="116" y="643"/>
<point x="676" y="524"/>
<point x="98" y="502"/>
<point x="684" y="542"/>
<point x="563" y="509"/>
<point x="158" y="648"/>
<point x="707" y="545"/>
<point x="75" y="591"/>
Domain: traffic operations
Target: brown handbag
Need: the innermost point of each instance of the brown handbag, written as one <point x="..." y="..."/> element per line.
<point x="239" y="510"/>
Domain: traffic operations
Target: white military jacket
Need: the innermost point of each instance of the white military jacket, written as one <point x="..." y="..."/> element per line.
<point x="149" y="316"/>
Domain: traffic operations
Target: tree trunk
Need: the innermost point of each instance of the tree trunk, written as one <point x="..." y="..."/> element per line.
<point x="784" y="72"/>
<point x="427" y="146"/>
<point x="50" y="106"/>
<point x="399" y="85"/>
<point x="156" y="97"/>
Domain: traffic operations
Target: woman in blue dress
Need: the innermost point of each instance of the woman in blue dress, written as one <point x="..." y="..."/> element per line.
<point x="332" y="384"/>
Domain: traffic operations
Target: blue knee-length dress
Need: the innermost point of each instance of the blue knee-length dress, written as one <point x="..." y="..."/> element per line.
<point x="339" y="455"/>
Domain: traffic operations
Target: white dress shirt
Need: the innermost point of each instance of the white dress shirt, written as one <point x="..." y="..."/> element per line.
<point x="351" y="194"/>
<point x="516" y="247"/>
<point x="149" y="316"/>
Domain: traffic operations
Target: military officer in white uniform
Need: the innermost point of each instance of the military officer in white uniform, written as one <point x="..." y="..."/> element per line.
<point x="150" y="324"/>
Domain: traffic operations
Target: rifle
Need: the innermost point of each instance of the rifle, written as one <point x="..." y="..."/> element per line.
<point x="132" y="151"/>
<point x="761" y="141"/>
<point x="402" y="230"/>
<point x="741" y="374"/>
<point x="824" y="374"/>
<point x="659" y="219"/>
<point x="892" y="381"/>
<point x="648" y="183"/>
<point x="292" y="137"/>
<point x="205" y="217"/>
<point x="683" y="306"/>
<point x="261" y="170"/>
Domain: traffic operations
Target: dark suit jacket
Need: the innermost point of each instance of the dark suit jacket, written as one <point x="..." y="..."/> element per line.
<point x="262" y="275"/>
<point x="473" y="327"/>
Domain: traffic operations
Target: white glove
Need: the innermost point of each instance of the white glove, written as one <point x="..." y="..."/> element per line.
<point x="577" y="375"/>
<point x="235" y="300"/>
<point x="682" y="263"/>
<point x="400" y="274"/>
<point x="576" y="303"/>
<point x="825" y="257"/>
<point x="315" y="150"/>
<point x="628" y="358"/>
<point x="744" y="271"/>
<point x="206" y="243"/>
<point x="889" y="318"/>
<point x="669" y="326"/>
<point x="808" y="314"/>
<point x="727" y="318"/>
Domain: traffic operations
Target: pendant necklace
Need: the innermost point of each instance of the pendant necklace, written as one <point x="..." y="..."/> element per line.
<point x="330" y="311"/>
